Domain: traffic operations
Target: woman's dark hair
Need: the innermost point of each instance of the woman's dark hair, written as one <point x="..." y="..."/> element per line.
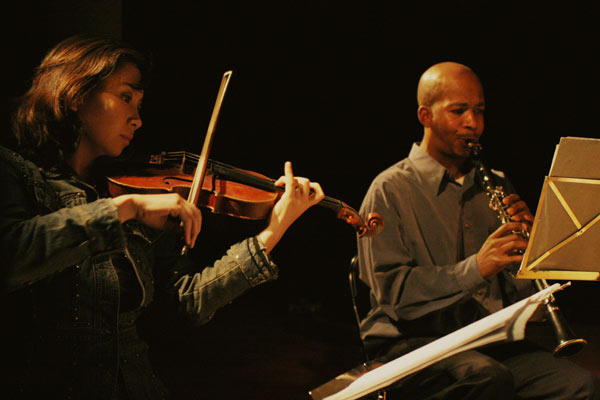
<point x="44" y="123"/>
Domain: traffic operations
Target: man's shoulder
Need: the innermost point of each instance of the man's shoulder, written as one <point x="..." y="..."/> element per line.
<point x="402" y="172"/>
<point x="392" y="183"/>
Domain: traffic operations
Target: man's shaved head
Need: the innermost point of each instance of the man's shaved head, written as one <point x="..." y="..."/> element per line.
<point x="433" y="81"/>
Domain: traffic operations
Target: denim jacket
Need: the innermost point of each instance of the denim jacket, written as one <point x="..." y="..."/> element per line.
<point x="58" y="241"/>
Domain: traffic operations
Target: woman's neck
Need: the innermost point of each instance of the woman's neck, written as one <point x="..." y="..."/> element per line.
<point x="81" y="162"/>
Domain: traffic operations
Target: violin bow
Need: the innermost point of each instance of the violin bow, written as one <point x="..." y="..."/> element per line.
<point x="200" y="172"/>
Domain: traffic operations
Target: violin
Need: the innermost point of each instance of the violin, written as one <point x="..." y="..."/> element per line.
<point x="225" y="189"/>
<point x="221" y="187"/>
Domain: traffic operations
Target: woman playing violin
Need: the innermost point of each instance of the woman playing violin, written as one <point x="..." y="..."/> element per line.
<point x="90" y="263"/>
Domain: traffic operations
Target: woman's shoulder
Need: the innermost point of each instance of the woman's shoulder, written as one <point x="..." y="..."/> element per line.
<point x="15" y="162"/>
<point x="9" y="155"/>
<point x="10" y="159"/>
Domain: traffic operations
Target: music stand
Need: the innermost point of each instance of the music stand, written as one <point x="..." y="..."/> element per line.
<point x="564" y="239"/>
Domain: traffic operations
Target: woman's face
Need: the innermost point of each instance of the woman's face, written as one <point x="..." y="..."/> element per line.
<point x="110" y="114"/>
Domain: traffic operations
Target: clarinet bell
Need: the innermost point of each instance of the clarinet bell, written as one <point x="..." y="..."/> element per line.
<point x="567" y="344"/>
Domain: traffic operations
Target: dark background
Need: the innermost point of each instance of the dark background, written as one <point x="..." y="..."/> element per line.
<point x="332" y="87"/>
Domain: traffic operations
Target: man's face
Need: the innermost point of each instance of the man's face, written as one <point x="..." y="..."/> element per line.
<point x="457" y="116"/>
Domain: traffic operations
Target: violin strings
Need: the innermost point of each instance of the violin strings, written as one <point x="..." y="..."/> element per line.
<point x="227" y="171"/>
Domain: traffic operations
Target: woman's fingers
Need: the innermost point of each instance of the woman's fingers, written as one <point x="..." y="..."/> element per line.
<point x="191" y="218"/>
<point x="154" y="210"/>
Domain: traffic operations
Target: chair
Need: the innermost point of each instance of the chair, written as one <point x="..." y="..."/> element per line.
<point x="359" y="292"/>
<point x="357" y="302"/>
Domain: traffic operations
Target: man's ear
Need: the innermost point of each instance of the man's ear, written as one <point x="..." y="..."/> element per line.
<point x="425" y="115"/>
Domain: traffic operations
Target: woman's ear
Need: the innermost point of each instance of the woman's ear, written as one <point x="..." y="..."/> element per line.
<point x="75" y="104"/>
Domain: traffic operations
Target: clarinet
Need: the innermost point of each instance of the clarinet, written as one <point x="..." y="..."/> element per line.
<point x="567" y="343"/>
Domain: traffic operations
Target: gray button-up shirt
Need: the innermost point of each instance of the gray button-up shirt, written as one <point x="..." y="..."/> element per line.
<point x="422" y="269"/>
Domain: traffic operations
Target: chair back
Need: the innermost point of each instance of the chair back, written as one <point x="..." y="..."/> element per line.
<point x="361" y="305"/>
<point x="359" y="293"/>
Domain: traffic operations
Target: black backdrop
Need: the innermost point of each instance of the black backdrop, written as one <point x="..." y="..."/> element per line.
<point x="331" y="87"/>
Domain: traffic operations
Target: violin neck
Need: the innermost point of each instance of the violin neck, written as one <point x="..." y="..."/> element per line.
<point x="228" y="172"/>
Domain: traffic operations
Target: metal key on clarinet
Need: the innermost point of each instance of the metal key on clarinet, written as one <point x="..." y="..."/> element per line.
<point x="567" y="343"/>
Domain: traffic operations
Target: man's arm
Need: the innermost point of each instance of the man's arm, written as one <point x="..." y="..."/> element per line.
<point x="393" y="264"/>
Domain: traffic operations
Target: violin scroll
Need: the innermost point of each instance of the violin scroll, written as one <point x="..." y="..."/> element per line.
<point x="372" y="226"/>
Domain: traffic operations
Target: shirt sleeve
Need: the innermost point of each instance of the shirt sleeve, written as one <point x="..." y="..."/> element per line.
<point x="36" y="246"/>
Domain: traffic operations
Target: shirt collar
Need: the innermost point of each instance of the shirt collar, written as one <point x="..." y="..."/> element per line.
<point x="433" y="176"/>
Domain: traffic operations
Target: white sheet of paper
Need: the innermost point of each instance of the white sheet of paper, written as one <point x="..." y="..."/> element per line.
<point x="506" y="324"/>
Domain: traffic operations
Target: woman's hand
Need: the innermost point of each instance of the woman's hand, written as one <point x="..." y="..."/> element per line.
<point x="154" y="210"/>
<point x="300" y="194"/>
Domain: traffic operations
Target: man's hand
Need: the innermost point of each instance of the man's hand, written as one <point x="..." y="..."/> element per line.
<point x="517" y="210"/>
<point x="501" y="248"/>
